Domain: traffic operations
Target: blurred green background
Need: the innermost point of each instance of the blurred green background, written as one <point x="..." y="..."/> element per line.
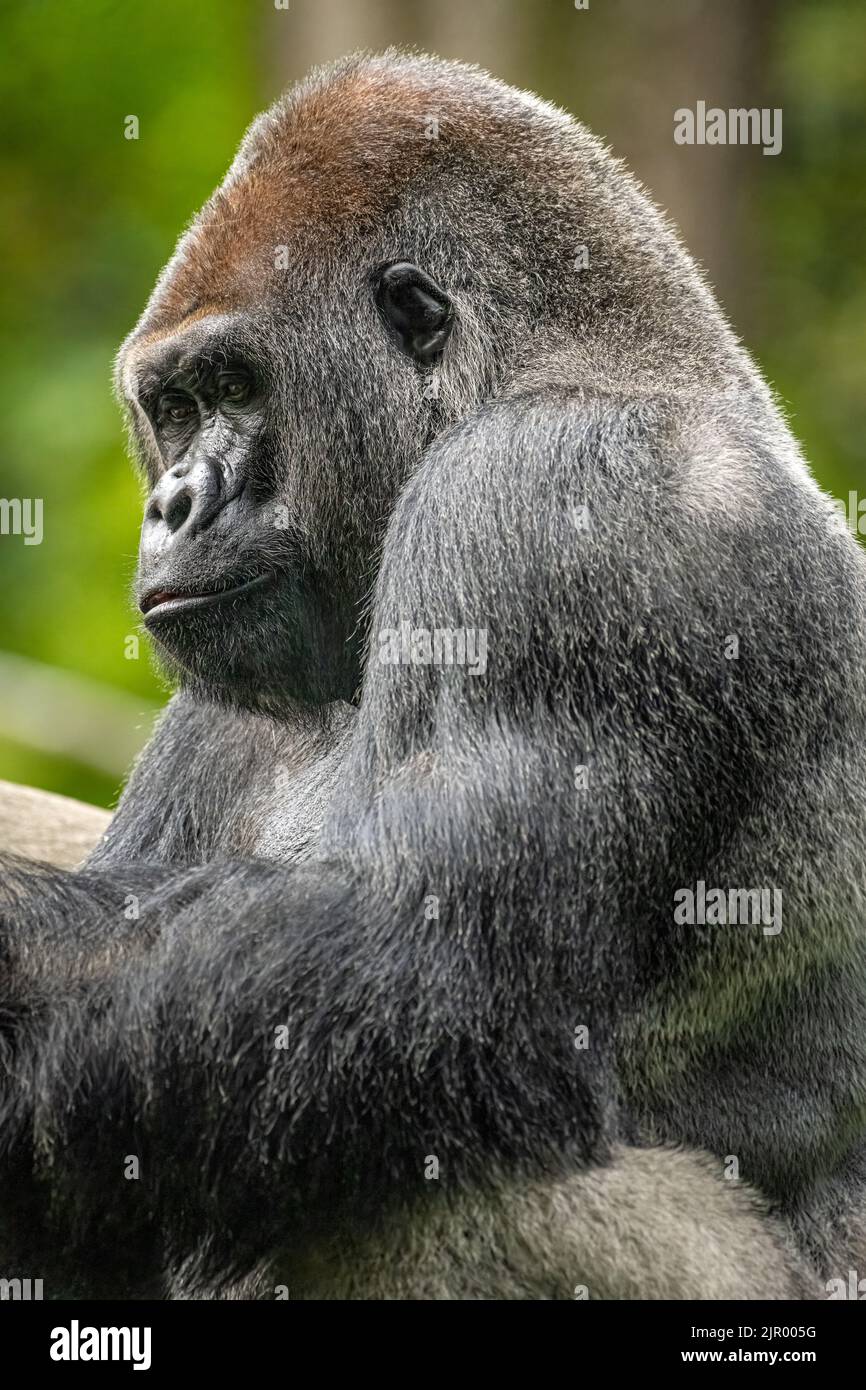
<point x="88" y="217"/>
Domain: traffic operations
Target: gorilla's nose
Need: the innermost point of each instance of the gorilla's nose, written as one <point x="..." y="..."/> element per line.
<point x="184" y="502"/>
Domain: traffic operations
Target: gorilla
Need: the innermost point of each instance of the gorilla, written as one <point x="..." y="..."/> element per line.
<point x="509" y="623"/>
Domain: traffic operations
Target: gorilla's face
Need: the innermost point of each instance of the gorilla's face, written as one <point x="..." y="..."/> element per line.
<point x="282" y="383"/>
<point x="275" y="439"/>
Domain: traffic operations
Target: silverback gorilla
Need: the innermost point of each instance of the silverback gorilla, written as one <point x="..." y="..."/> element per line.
<point x="509" y="622"/>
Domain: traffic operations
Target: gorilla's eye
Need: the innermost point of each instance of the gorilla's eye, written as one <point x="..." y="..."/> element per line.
<point x="416" y="309"/>
<point x="176" y="407"/>
<point x="233" y="387"/>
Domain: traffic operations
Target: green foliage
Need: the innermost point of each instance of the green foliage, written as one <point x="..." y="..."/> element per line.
<point x="812" y="226"/>
<point x="87" y="218"/>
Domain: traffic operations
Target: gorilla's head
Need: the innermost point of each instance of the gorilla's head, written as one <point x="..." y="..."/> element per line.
<point x="396" y="241"/>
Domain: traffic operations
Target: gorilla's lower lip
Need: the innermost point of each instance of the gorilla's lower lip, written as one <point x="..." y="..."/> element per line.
<point x="165" y="603"/>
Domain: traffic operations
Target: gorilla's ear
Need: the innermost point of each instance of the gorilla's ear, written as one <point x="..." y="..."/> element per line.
<point x="416" y="309"/>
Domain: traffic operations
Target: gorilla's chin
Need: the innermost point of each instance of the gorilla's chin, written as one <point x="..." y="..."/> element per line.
<point x="269" y="653"/>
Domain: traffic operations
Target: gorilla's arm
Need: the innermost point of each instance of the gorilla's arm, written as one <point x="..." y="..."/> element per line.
<point x="302" y="1040"/>
<point x="317" y="1137"/>
<point x="292" y="1046"/>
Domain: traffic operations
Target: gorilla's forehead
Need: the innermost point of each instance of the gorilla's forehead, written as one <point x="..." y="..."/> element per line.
<point x="324" y="167"/>
<point x="201" y="336"/>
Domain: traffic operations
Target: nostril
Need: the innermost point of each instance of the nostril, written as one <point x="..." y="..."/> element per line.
<point x="177" y="510"/>
<point x="185" y="500"/>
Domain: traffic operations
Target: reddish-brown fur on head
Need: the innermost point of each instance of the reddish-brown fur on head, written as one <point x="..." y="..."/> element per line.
<point x="336" y="151"/>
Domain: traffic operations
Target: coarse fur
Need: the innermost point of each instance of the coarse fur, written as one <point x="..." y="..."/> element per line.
<point x="385" y="955"/>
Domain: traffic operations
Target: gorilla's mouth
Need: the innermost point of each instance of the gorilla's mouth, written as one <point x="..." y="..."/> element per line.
<point x="165" y="603"/>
